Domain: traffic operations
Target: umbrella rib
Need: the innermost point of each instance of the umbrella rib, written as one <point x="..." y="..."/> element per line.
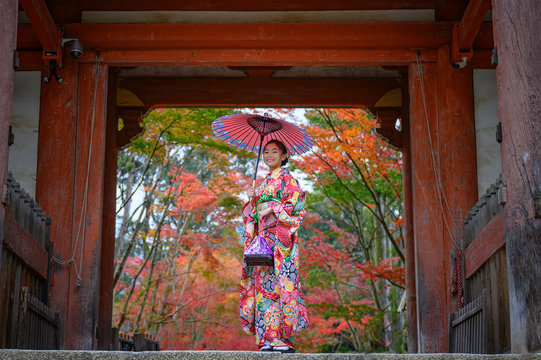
<point x="282" y="138"/>
<point x="251" y="137"/>
<point x="248" y="132"/>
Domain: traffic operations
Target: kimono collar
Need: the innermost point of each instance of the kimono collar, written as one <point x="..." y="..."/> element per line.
<point x="276" y="173"/>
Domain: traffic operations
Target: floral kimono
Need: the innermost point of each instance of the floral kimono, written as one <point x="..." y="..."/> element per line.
<point x="271" y="301"/>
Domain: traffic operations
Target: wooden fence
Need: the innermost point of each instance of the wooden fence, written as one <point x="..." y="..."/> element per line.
<point x="37" y="325"/>
<point x="136" y="342"/>
<point x="485" y="267"/>
<point x="468" y="328"/>
<point x="25" y="269"/>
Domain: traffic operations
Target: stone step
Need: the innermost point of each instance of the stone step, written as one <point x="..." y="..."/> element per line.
<point x="6" y="354"/>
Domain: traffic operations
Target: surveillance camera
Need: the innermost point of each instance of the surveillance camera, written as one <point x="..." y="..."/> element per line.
<point x="76" y="49"/>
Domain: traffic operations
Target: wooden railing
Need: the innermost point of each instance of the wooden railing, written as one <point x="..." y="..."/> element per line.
<point x="25" y="267"/>
<point x="136" y="342"/>
<point x="485" y="265"/>
<point x="37" y="326"/>
<point x="468" y="328"/>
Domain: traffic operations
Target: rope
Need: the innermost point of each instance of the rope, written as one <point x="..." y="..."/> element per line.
<point x="82" y="219"/>
<point x="441" y="193"/>
<point x="456" y="280"/>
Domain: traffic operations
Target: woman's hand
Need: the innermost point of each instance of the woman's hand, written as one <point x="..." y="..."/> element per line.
<point x="251" y="193"/>
<point x="265" y="212"/>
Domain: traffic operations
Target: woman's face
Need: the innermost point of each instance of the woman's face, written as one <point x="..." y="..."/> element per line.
<point x="273" y="156"/>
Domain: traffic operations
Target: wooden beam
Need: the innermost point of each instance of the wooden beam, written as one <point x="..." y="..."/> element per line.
<point x="249" y="5"/>
<point x="21" y="243"/>
<point x="489" y="240"/>
<point x="261" y="57"/>
<point x="465" y="32"/>
<point x="396" y="35"/>
<point x="259" y="91"/>
<point x="42" y="23"/>
<point x="65" y="11"/>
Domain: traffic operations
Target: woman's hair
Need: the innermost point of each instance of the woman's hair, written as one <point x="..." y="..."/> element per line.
<point x="282" y="148"/>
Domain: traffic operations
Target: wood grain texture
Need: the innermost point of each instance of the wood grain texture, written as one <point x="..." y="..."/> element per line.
<point x="8" y="29"/>
<point x="438" y="218"/>
<point x="489" y="240"/>
<point x="517" y="29"/>
<point x="55" y="176"/>
<point x="87" y="219"/>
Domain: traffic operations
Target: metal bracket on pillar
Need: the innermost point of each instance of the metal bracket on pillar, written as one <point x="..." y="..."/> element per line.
<point x="55" y="60"/>
<point x="15" y="59"/>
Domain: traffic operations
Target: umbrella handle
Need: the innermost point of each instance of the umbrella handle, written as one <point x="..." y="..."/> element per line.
<point x="258" y="156"/>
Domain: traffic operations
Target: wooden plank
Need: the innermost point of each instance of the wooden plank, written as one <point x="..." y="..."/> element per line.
<point x="385" y="35"/>
<point x="15" y="292"/>
<point x="489" y="240"/>
<point x="259" y="91"/>
<point x="246" y="5"/>
<point x="22" y="244"/>
<point x="519" y="76"/>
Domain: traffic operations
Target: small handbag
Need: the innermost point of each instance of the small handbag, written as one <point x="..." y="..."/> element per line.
<point x="259" y="253"/>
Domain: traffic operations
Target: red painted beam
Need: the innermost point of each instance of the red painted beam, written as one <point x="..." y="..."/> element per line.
<point x="471" y="22"/>
<point x="250" y="5"/>
<point x="260" y="57"/>
<point x="21" y="243"/>
<point x="42" y="23"/>
<point x="465" y="32"/>
<point x="259" y="91"/>
<point x="489" y="240"/>
<point x="396" y="35"/>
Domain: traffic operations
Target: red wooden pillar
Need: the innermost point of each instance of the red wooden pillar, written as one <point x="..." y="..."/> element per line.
<point x="411" y="290"/>
<point x="64" y="176"/>
<point x="109" y="221"/>
<point x="87" y="218"/>
<point x="516" y="34"/>
<point x="442" y="106"/>
<point x="55" y="175"/>
<point x="8" y="43"/>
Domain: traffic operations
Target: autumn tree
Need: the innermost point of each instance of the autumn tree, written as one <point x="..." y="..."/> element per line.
<point x="357" y="194"/>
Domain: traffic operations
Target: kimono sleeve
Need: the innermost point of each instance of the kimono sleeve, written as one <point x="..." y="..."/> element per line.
<point x="290" y="211"/>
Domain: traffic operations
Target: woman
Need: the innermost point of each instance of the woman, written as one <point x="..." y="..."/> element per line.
<point x="271" y="301"/>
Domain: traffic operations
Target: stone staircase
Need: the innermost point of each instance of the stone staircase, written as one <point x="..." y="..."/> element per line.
<point x="241" y="355"/>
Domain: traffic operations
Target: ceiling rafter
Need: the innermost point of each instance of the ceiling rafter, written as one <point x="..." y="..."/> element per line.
<point x="250" y="5"/>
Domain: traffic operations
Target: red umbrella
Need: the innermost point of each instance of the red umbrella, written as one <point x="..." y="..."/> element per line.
<point x="252" y="132"/>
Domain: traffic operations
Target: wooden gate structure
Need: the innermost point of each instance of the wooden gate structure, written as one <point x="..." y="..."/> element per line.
<point x="411" y="60"/>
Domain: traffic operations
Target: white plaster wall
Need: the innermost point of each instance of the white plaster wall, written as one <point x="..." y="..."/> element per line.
<point x="489" y="164"/>
<point x="23" y="154"/>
